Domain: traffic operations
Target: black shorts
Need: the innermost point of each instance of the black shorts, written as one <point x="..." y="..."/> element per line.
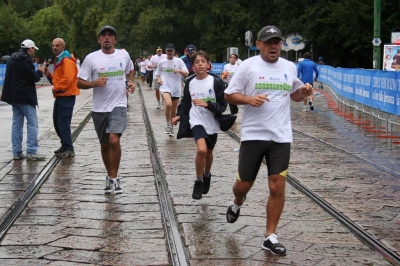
<point x="200" y="133"/>
<point x="252" y="153"/>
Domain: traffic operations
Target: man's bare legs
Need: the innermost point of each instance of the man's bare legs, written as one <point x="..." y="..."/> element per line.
<point x="111" y="154"/>
<point x="275" y="203"/>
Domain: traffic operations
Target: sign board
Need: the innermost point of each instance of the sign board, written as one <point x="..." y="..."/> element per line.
<point x="376" y="41"/>
<point x="248" y="37"/>
<point x="391" y="57"/>
<point x="231" y="50"/>
<point x="395" y="36"/>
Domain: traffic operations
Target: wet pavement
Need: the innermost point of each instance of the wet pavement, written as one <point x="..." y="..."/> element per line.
<point x="71" y="222"/>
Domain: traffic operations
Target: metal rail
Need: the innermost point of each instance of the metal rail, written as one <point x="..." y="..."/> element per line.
<point x="360" y="233"/>
<point x="15" y="210"/>
<point x="174" y="241"/>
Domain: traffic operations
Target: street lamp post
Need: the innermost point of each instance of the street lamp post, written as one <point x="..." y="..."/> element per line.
<point x="377" y="32"/>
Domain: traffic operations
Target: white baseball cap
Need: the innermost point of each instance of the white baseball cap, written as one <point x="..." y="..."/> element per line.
<point x="28" y="44"/>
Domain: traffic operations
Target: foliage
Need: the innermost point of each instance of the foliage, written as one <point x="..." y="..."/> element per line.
<point x="46" y="25"/>
<point x="12" y="31"/>
<point x="339" y="30"/>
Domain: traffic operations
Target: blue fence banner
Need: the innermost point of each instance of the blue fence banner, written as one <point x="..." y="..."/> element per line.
<point x="2" y="73"/>
<point x="375" y="88"/>
<point x="217" y="68"/>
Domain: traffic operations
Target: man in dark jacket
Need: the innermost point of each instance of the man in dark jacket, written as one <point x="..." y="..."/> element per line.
<point x="19" y="90"/>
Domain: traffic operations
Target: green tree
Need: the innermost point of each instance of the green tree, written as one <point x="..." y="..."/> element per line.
<point x="12" y="31"/>
<point x="46" y="25"/>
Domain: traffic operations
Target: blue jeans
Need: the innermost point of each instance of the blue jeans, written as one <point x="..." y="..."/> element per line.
<point x="62" y="116"/>
<point x="20" y="111"/>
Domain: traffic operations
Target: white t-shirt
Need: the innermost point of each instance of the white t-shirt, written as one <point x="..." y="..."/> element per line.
<point x="231" y="70"/>
<point x="203" y="89"/>
<point x="147" y="63"/>
<point x="142" y="67"/>
<point x="171" y="81"/>
<point x="271" y="120"/>
<point x="115" y="66"/>
<point x="154" y="62"/>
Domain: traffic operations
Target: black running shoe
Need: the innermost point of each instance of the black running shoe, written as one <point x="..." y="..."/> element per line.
<point x="206" y="184"/>
<point x="271" y="243"/>
<point x="232" y="215"/>
<point x="311" y="105"/>
<point x="197" y="190"/>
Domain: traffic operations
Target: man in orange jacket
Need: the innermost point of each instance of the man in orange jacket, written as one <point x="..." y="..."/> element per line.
<point x="64" y="80"/>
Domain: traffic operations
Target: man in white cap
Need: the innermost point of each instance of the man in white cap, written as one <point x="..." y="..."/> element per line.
<point x="19" y="90"/>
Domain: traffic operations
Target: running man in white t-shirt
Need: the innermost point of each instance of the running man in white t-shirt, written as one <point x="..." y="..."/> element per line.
<point x="227" y="74"/>
<point x="109" y="72"/>
<point x="264" y="85"/>
<point x="155" y="59"/>
<point x="169" y="72"/>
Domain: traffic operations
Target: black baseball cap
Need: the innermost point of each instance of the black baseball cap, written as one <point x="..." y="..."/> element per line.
<point x="169" y="46"/>
<point x="191" y="48"/>
<point x="269" y="32"/>
<point x="108" y="28"/>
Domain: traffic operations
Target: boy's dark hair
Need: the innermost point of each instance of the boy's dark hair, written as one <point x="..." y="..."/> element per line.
<point x="199" y="53"/>
<point x="307" y="55"/>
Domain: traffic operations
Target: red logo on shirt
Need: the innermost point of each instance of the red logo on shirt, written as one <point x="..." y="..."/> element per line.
<point x="102" y="68"/>
<point x="261" y="78"/>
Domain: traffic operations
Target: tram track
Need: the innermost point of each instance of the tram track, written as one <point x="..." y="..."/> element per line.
<point x="176" y="249"/>
<point x="175" y="246"/>
<point x="172" y="232"/>
<point x="359" y="232"/>
<point x="19" y="205"/>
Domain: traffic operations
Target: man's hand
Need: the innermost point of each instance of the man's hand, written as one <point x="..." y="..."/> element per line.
<point x="175" y="120"/>
<point x="131" y="87"/>
<point x="42" y="69"/>
<point x="199" y="102"/>
<point x="100" y="82"/>
<point x="258" y="100"/>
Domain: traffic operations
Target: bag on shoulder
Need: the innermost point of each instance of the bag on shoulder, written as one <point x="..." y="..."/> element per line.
<point x="225" y="121"/>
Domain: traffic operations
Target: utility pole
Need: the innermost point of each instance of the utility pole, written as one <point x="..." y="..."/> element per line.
<point x="377" y="60"/>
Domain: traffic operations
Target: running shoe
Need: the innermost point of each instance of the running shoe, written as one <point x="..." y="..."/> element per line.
<point x="271" y="243"/>
<point x="197" y="190"/>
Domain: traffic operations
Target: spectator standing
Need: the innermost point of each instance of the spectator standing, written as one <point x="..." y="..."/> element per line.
<point x="169" y="73"/>
<point x="265" y="84"/>
<point x="19" y="90"/>
<point x="108" y="72"/>
<point x="203" y="98"/>
<point x="64" y="80"/>
<point x="306" y="71"/>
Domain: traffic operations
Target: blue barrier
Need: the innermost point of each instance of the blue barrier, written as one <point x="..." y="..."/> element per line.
<point x="217" y="68"/>
<point x="375" y="88"/>
<point x="2" y="73"/>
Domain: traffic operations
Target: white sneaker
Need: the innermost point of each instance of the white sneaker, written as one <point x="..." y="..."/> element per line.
<point x="159" y="105"/>
<point x="305" y="109"/>
<point x="168" y="129"/>
<point x="171" y="131"/>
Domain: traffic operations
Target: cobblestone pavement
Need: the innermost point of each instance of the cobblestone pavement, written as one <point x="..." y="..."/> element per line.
<point x="71" y="222"/>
